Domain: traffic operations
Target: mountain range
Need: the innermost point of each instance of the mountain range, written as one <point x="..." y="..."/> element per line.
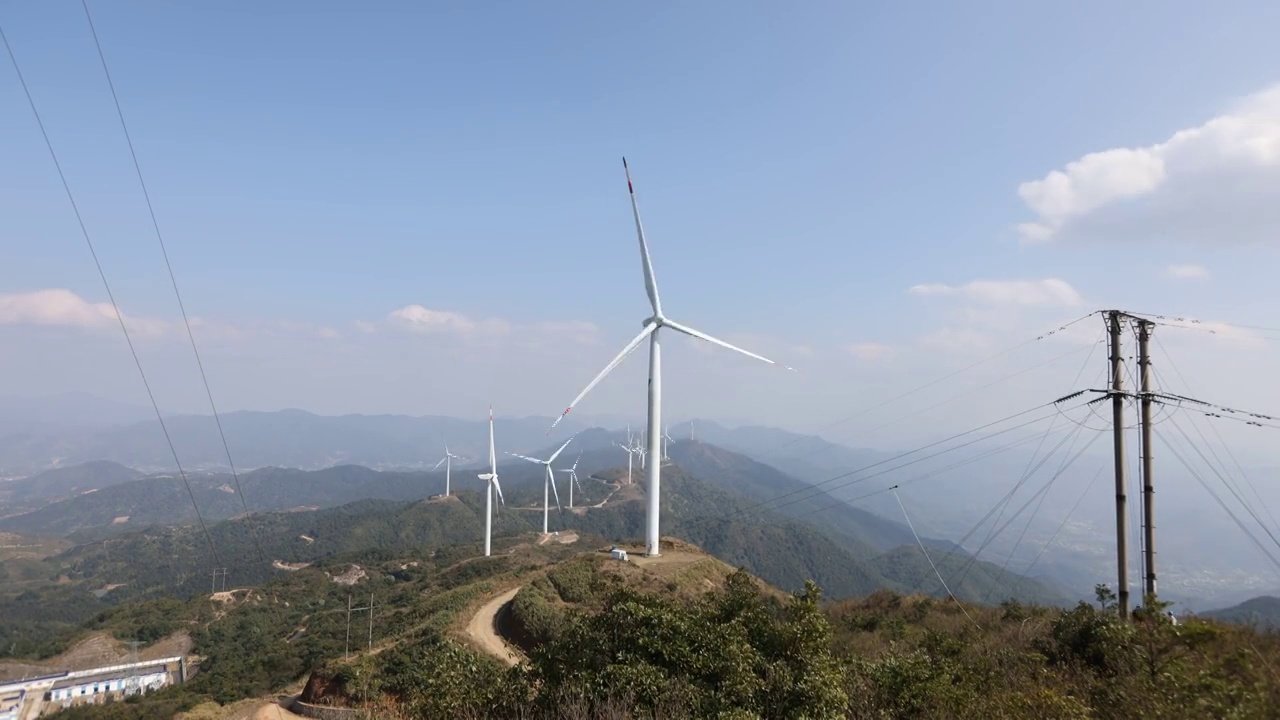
<point x="1067" y="538"/>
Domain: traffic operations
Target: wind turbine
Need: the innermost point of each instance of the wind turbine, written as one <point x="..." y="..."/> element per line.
<point x="630" y="448"/>
<point x="652" y="325"/>
<point x="550" y="481"/>
<point x="447" y="461"/>
<point x="491" y="484"/>
<point x="666" y="441"/>
<point x="573" y="478"/>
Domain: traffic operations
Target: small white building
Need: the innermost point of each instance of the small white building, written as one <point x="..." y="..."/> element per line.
<point x="618" y="553"/>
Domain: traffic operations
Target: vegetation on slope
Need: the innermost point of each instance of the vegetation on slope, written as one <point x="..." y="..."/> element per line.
<point x="739" y="650"/>
<point x="1262" y="611"/>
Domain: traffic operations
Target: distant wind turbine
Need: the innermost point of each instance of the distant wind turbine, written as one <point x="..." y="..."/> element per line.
<point x="447" y="461"/>
<point x="549" y="483"/>
<point x="652" y="325"/>
<point x="666" y="442"/>
<point x="491" y="480"/>
<point x="631" y="449"/>
<point x="573" y="478"/>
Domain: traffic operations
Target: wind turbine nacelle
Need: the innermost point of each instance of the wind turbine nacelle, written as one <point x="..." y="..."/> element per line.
<point x="486" y="476"/>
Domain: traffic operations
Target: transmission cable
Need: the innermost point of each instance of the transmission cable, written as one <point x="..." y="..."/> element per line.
<point x="924" y="550"/>
<point x="926" y="385"/>
<point x="1234" y="492"/>
<point x="1003" y="505"/>
<point x="164" y="251"/>
<point x="995" y="531"/>
<point x="110" y="296"/>
<point x="1225" y="446"/>
<point x="837" y="501"/>
<point x="1248" y="533"/>
<point x="1066" y="464"/>
<point x="1192" y="323"/>
<point x="1027" y="572"/>
<point x="817" y="490"/>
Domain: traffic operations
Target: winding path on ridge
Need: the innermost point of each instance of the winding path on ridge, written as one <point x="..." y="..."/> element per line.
<point x="483" y="628"/>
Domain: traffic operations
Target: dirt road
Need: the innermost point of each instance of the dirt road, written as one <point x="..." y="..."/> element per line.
<point x="273" y="711"/>
<point x="483" y="629"/>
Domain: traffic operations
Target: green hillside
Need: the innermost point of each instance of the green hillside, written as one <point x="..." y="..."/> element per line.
<point x="1260" y="611"/>
<point x="602" y="639"/>
<point x="175" y="561"/>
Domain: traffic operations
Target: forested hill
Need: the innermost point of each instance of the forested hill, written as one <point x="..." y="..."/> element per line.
<point x="1261" y="611"/>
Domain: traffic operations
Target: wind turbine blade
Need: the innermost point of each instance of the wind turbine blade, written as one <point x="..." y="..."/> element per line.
<point x="575" y="462"/>
<point x="574" y="478"/>
<point x="631" y="346"/>
<point x="498" y="486"/>
<point x="556" y="454"/>
<point x="716" y="341"/>
<point x="437" y="467"/>
<point x="552" y="480"/>
<point x="526" y="457"/>
<point x="650" y="283"/>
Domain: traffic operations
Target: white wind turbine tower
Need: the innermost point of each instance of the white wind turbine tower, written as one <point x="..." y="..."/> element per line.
<point x="631" y="449"/>
<point x="652" y="325"/>
<point x="491" y="484"/>
<point x="573" y="478"/>
<point x="549" y="482"/>
<point x="447" y="461"/>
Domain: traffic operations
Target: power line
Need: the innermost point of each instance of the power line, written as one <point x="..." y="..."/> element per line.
<point x="916" y="535"/>
<point x="926" y="385"/>
<point x="1248" y="533"/>
<point x="155" y="224"/>
<point x="837" y="501"/>
<point x="1218" y="435"/>
<point x="995" y="532"/>
<point x="1234" y="493"/>
<point x="110" y="296"/>
<point x="993" y="383"/>
<point x="1194" y="324"/>
<point x="1061" y="469"/>
<point x="1027" y="573"/>
<point x="1003" y="503"/>
<point x="816" y="489"/>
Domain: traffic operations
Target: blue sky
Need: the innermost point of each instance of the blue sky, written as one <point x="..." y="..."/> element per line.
<point x="318" y="166"/>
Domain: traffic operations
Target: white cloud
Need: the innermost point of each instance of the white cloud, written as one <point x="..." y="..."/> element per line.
<point x="1186" y="272"/>
<point x="871" y="352"/>
<point x="417" y="318"/>
<point x="425" y="321"/>
<point x="59" y="307"/>
<point x="1216" y="182"/>
<point x="1049" y="291"/>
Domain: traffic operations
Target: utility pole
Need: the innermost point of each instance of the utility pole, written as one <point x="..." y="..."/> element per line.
<point x="1114" y="319"/>
<point x="1148" y="489"/>
<point x="131" y="684"/>
<point x="214" y="585"/>
<point x="346" y="652"/>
